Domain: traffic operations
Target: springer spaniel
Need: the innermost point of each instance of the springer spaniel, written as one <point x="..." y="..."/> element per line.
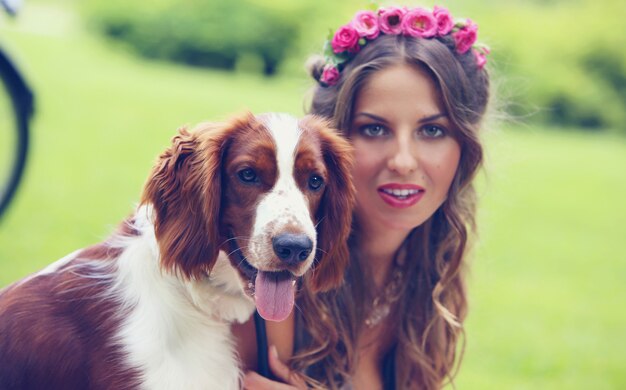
<point x="231" y="215"/>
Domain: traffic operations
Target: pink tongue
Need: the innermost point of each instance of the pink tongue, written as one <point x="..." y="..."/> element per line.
<point x="274" y="295"/>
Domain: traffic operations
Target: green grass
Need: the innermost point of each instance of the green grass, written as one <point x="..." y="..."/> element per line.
<point x="547" y="279"/>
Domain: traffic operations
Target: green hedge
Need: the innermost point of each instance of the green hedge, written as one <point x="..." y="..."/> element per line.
<point x="562" y="62"/>
<point x="559" y="62"/>
<point x="209" y="33"/>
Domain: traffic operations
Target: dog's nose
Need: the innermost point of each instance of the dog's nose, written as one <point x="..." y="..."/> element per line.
<point x="292" y="248"/>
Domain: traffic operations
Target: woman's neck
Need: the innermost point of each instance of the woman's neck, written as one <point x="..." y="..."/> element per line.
<point x="378" y="248"/>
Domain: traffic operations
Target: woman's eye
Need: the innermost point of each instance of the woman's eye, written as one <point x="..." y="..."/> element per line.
<point x="247" y="175"/>
<point x="315" y="182"/>
<point x="432" y="131"/>
<point x="373" y="130"/>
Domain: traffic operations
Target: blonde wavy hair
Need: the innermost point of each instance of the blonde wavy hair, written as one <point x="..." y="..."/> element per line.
<point x="433" y="302"/>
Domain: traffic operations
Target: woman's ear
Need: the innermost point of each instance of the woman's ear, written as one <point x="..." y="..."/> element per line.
<point x="334" y="214"/>
<point x="184" y="189"/>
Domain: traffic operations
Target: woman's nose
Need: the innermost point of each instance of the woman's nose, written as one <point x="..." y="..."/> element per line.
<point x="403" y="159"/>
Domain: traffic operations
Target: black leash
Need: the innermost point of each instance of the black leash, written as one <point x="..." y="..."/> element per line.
<point x="261" y="347"/>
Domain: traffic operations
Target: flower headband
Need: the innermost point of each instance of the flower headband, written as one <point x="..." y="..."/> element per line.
<point x="366" y="26"/>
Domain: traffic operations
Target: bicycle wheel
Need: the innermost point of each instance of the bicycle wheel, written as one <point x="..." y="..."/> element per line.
<point x="15" y="111"/>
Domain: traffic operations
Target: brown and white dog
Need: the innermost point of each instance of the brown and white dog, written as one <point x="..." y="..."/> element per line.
<point x="230" y="216"/>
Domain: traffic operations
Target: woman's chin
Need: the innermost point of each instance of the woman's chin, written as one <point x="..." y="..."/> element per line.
<point x="401" y="226"/>
<point x="400" y="223"/>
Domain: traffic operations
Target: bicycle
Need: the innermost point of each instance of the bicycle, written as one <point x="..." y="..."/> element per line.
<point x="16" y="110"/>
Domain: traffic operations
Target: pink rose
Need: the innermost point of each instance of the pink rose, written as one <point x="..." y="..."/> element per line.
<point x="480" y="55"/>
<point x="366" y="24"/>
<point x="330" y="75"/>
<point x="444" y="20"/>
<point x="465" y="37"/>
<point x="390" y="20"/>
<point x="346" y="38"/>
<point x="419" y="22"/>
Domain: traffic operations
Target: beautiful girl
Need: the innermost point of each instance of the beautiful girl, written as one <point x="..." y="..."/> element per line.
<point x="408" y="87"/>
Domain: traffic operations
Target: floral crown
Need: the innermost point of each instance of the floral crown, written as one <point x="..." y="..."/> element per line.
<point x="366" y="26"/>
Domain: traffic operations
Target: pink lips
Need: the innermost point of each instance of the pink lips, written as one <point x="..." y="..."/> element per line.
<point x="401" y="195"/>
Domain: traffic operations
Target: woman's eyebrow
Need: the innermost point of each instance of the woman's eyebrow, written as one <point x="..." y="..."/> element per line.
<point x="371" y="116"/>
<point x="422" y="120"/>
<point x="432" y="117"/>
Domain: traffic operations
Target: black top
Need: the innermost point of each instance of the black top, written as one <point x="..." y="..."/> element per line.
<point x="261" y="346"/>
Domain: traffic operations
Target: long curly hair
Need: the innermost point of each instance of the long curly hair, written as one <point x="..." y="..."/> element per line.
<point x="433" y="304"/>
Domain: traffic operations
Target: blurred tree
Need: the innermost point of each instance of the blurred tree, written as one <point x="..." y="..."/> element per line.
<point x="209" y="33"/>
<point x="561" y="61"/>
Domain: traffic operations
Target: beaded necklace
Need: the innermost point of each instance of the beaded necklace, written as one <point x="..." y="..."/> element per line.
<point x="381" y="305"/>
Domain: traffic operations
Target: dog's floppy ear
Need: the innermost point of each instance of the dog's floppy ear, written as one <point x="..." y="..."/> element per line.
<point x="184" y="189"/>
<point x="334" y="214"/>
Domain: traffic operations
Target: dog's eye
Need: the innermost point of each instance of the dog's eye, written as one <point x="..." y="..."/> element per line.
<point x="315" y="182"/>
<point x="247" y="175"/>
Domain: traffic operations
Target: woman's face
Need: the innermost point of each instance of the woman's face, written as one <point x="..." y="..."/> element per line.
<point x="406" y="157"/>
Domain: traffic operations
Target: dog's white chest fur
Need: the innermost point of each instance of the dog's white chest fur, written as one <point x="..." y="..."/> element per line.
<point x="178" y="334"/>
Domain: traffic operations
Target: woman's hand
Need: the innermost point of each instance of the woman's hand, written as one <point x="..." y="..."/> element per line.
<point x="290" y="380"/>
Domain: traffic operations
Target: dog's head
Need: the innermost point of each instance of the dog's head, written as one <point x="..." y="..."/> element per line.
<point x="272" y="191"/>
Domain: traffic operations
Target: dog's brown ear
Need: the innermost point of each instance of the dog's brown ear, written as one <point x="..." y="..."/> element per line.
<point x="184" y="189"/>
<point x="334" y="214"/>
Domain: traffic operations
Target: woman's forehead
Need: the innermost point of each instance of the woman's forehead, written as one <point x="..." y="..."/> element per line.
<point x="399" y="88"/>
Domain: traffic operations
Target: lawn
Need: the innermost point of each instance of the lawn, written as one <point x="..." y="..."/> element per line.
<point x="547" y="276"/>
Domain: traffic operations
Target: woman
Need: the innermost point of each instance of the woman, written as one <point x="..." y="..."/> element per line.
<point x="409" y="89"/>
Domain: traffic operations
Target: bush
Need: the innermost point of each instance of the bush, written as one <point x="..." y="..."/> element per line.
<point x="203" y="33"/>
<point x="564" y="61"/>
